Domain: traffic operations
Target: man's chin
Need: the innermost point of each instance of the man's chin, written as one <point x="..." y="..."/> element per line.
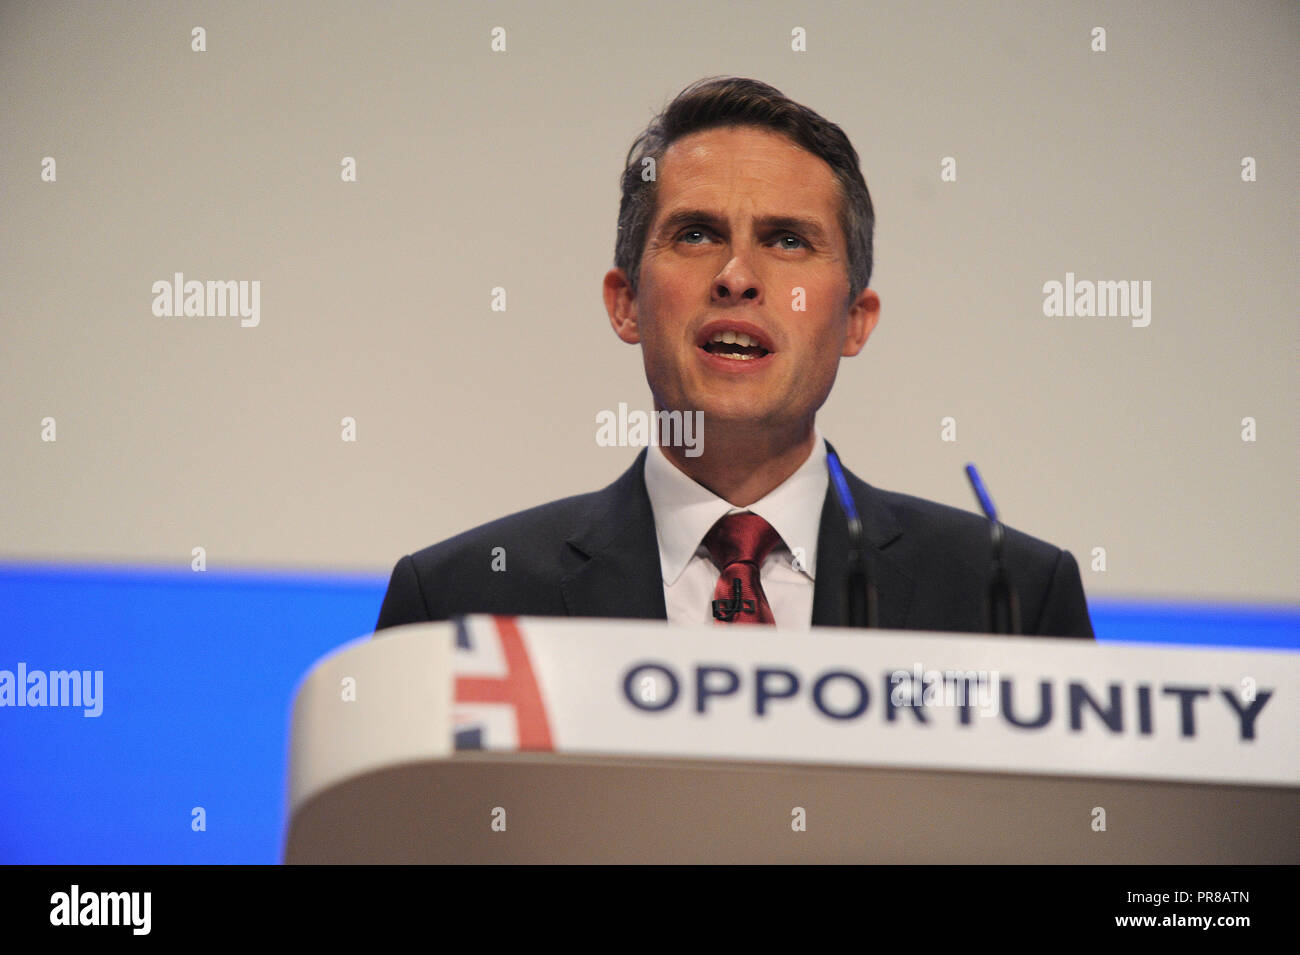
<point x="739" y="416"/>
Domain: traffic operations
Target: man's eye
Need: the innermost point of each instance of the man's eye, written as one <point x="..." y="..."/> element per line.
<point x="793" y="238"/>
<point x="691" y="232"/>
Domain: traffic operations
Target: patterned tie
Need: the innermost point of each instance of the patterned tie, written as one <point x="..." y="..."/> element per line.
<point x="738" y="544"/>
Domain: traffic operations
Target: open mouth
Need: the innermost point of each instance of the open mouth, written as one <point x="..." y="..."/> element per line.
<point x="734" y="345"/>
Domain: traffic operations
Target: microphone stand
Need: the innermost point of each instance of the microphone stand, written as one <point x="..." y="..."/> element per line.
<point x="862" y="598"/>
<point x="1001" y="603"/>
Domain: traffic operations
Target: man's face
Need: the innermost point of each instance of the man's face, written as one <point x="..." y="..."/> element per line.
<point x="745" y="241"/>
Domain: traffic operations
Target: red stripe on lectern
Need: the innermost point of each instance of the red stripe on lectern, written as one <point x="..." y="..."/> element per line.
<point x="518" y="687"/>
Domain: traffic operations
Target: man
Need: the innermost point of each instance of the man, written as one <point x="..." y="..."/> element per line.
<point x="741" y="269"/>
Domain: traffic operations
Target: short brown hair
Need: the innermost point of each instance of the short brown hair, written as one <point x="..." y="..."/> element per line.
<point x="734" y="101"/>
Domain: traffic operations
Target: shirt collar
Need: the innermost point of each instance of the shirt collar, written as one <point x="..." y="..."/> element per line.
<point x="685" y="510"/>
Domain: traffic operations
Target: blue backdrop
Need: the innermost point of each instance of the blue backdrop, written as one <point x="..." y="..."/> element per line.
<point x="199" y="673"/>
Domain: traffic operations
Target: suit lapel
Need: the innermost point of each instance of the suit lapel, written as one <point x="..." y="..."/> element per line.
<point x="622" y="576"/>
<point x="894" y="585"/>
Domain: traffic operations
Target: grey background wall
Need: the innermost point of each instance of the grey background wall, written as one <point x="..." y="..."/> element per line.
<point x="479" y="169"/>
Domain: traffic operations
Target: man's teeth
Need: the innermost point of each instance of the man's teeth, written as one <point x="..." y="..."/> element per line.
<point x="734" y="345"/>
<point x="734" y="338"/>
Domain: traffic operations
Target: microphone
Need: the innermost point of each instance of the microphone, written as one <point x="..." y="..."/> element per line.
<point x="1001" y="604"/>
<point x="861" y="588"/>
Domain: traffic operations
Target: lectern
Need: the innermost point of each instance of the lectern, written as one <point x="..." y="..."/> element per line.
<point x="501" y="739"/>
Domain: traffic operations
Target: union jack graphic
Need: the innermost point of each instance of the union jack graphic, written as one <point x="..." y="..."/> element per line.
<point x="481" y="689"/>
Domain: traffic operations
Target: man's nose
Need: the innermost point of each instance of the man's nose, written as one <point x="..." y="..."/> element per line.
<point x="736" y="283"/>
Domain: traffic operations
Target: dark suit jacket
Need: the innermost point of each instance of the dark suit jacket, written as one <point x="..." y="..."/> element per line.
<point x="596" y="555"/>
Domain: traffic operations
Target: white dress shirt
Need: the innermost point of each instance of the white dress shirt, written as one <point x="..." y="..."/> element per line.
<point x="684" y="511"/>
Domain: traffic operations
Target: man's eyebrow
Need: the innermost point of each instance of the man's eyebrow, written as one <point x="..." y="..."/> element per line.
<point x="684" y="217"/>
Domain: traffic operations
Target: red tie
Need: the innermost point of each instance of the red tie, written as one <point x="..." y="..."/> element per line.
<point x="738" y="544"/>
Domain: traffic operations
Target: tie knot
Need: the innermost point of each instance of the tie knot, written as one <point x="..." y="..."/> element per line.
<point x="741" y="538"/>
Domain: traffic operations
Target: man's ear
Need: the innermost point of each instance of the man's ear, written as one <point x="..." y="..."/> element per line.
<point x="621" y="305"/>
<point x="864" y="313"/>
